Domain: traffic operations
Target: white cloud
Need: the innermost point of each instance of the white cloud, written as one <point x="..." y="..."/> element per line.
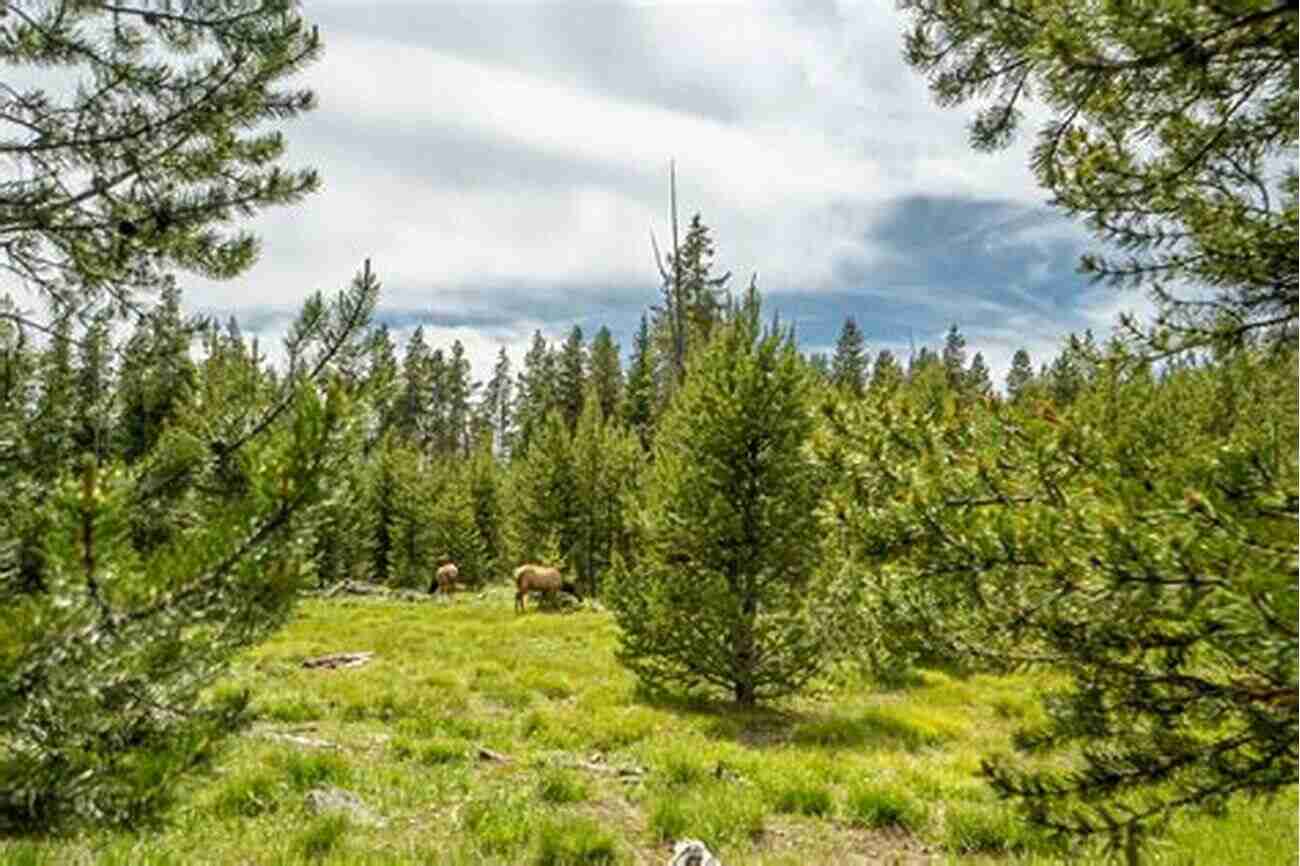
<point x="460" y="173"/>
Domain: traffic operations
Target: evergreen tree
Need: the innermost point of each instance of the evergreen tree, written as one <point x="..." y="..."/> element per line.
<point x="921" y="361"/>
<point x="482" y="478"/>
<point x="820" y="365"/>
<point x="607" y="373"/>
<point x="22" y="524"/>
<point x="977" y="379"/>
<point x="692" y="304"/>
<point x="1072" y="370"/>
<point x="417" y="481"/>
<point x="439" y="435"/>
<point x="497" y="408"/>
<point x="460" y="389"/>
<point x="727" y="533"/>
<point x="155" y="136"/>
<point x="537" y="390"/>
<point x="1020" y="378"/>
<point x="702" y="292"/>
<point x="116" y="645"/>
<point x="642" y="397"/>
<point x="383" y="386"/>
<point x="51" y="430"/>
<point x="886" y="374"/>
<point x="1172" y="131"/>
<point x="157" y="374"/>
<point x="543" y="497"/>
<point x="413" y="408"/>
<point x="1139" y="542"/>
<point x="455" y="530"/>
<point x="94" y="390"/>
<point x="17" y="372"/>
<point x="849" y="366"/>
<point x="954" y="358"/>
<point x="606" y="461"/>
<point x="572" y="377"/>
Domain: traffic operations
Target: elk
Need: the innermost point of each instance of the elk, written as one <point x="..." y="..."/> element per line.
<point x="445" y="578"/>
<point x="540" y="578"/>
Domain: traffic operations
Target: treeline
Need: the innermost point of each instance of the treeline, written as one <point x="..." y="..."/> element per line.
<point x="531" y="465"/>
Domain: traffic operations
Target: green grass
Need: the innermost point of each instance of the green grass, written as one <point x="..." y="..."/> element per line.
<point x="875" y="807"/>
<point x="819" y="779"/>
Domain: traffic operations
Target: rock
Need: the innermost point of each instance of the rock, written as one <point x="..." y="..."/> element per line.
<point x="692" y="852"/>
<point x="327" y="799"/>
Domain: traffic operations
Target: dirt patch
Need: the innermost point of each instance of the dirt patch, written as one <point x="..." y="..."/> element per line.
<point x="826" y="842"/>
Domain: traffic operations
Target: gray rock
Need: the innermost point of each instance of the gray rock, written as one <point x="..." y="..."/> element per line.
<point x="692" y="852"/>
<point x="327" y="799"/>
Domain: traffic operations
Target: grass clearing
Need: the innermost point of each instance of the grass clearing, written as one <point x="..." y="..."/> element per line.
<point x="858" y="774"/>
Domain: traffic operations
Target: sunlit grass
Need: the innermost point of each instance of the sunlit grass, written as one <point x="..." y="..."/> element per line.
<point x="594" y="771"/>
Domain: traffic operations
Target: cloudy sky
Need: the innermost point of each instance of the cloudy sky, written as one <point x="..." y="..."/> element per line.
<point x="503" y="166"/>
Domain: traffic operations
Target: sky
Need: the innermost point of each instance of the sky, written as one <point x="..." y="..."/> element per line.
<point x="503" y="166"/>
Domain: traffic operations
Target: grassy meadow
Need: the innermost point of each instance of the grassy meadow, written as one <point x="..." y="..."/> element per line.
<point x="595" y="772"/>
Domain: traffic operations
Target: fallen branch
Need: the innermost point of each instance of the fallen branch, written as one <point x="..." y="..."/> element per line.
<point x="339" y="660"/>
<point x="308" y="742"/>
<point x="488" y="755"/>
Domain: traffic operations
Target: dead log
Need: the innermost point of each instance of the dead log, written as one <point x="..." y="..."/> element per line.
<point x="339" y="660"/>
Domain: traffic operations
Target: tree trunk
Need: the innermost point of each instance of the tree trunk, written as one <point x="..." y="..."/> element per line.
<point x="743" y="651"/>
<point x="745" y="694"/>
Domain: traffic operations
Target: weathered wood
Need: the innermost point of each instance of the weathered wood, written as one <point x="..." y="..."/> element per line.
<point x="308" y="742"/>
<point x="487" y="754"/>
<point x="339" y="660"/>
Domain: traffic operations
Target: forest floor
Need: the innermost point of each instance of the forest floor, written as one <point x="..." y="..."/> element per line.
<point x="475" y="735"/>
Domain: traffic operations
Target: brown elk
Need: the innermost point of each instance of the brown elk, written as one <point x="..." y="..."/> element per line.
<point x="445" y="578"/>
<point x="540" y="578"/>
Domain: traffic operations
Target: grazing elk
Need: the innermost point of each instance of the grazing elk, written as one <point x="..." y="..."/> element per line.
<point x="445" y="578"/>
<point x="540" y="578"/>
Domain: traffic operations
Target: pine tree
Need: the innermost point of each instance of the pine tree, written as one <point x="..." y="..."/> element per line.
<point x="413" y="415"/>
<point x="976" y="379"/>
<point x="460" y="389"/>
<point x="116" y="644"/>
<point x="536" y="390"/>
<point x="1020" y="378"/>
<point x="1138" y="542"/>
<point x="483" y="479"/>
<point x="51" y="431"/>
<point x="157" y="374"/>
<point x="701" y="291"/>
<point x="820" y="365"/>
<point x="124" y="174"/>
<point x="849" y="366"/>
<point x="543" y="500"/>
<point x="642" y="397"/>
<point x="606" y="464"/>
<point x="1173" y="135"/>
<point x="727" y="533"/>
<point x="921" y="361"/>
<point x="383" y="386"/>
<point x="94" y="390"/>
<point x="692" y="302"/>
<point x="497" y="407"/>
<point x="1072" y="370"/>
<point x="607" y="373"/>
<point x="886" y="374"/>
<point x="572" y="377"/>
<point x="954" y="358"/>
